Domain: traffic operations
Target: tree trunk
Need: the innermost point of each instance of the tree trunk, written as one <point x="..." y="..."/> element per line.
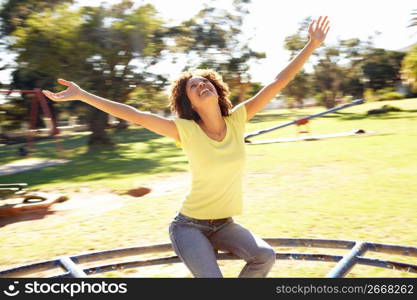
<point x="329" y="99"/>
<point x="97" y="124"/>
<point x="122" y="125"/>
<point x="243" y="88"/>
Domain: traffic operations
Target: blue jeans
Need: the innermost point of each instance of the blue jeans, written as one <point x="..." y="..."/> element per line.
<point x="196" y="242"/>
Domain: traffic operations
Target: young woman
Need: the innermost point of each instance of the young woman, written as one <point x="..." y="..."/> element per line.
<point x="211" y="134"/>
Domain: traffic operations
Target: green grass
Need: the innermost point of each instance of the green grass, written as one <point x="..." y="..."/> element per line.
<point x="138" y="153"/>
<point x="353" y="188"/>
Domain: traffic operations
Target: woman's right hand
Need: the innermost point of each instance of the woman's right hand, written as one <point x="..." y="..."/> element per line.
<point x="73" y="92"/>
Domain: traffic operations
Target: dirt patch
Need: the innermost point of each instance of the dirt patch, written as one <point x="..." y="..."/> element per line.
<point x="138" y="192"/>
<point x="163" y="185"/>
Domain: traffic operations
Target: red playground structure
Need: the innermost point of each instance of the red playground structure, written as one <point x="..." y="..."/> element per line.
<point x="38" y="100"/>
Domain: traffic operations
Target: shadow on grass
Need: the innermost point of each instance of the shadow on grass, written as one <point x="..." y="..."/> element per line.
<point x="27" y="216"/>
<point x="96" y="167"/>
<point x="74" y="145"/>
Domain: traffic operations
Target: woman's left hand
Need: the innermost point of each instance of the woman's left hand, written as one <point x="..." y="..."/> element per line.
<point x="317" y="31"/>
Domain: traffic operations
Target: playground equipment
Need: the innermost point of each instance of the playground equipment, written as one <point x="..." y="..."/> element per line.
<point x="38" y="100"/>
<point x="69" y="266"/>
<point x="15" y="199"/>
<point x="304" y="122"/>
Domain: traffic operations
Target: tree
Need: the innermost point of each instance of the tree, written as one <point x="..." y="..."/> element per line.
<point x="409" y="67"/>
<point x="301" y="86"/>
<point x="214" y="39"/>
<point x="413" y="19"/>
<point x="354" y="52"/>
<point x="352" y="65"/>
<point x="105" y="50"/>
<point x="346" y="68"/>
<point x="409" y="63"/>
<point x="328" y="76"/>
<point x="14" y="13"/>
<point x="382" y="68"/>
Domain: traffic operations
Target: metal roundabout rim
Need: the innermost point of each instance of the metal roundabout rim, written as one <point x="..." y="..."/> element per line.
<point x="68" y="265"/>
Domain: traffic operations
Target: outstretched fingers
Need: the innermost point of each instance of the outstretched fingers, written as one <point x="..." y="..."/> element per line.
<point x="61" y="96"/>
<point x="327" y="30"/>
<point x="325" y="26"/>
<point x="49" y="94"/>
<point x="323" y="23"/>
<point x="318" y="30"/>
<point x="64" y="82"/>
<point x="319" y="22"/>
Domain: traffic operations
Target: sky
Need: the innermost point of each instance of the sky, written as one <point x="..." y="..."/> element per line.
<point x="270" y="21"/>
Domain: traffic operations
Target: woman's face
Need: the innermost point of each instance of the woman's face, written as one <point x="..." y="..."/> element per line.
<point x="200" y="91"/>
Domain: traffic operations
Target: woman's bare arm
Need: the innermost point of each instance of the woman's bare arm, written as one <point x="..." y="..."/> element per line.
<point x="317" y="35"/>
<point x="148" y="120"/>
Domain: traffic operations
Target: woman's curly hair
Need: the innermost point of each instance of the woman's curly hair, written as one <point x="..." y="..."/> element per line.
<point x="181" y="105"/>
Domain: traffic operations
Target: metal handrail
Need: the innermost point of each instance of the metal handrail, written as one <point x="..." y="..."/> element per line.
<point x="319" y="114"/>
<point x="70" y="268"/>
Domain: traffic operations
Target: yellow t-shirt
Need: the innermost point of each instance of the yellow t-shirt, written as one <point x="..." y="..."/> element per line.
<point x="216" y="168"/>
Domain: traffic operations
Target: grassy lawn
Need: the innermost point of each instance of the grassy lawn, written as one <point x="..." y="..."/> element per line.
<point x="353" y="188"/>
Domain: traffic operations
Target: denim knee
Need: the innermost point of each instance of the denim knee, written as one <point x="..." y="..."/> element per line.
<point x="266" y="255"/>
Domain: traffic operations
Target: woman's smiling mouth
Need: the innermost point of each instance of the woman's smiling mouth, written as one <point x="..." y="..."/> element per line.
<point x="204" y="91"/>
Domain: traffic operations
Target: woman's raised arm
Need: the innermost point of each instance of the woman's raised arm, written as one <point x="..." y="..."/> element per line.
<point x="148" y="120"/>
<point x="317" y="33"/>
